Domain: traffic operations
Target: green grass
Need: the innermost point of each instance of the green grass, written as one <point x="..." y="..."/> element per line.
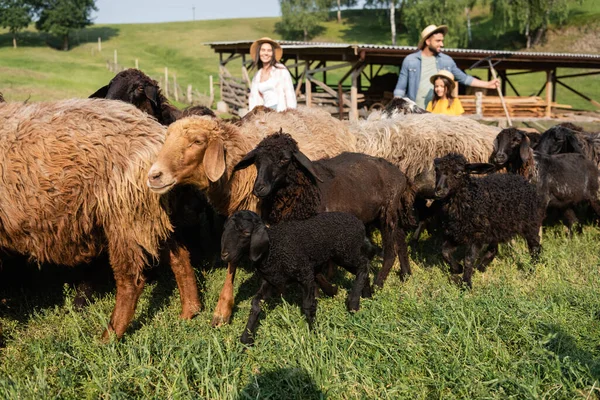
<point x="523" y="332"/>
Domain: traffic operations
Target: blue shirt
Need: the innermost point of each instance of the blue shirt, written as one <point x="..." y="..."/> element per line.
<point x="410" y="74"/>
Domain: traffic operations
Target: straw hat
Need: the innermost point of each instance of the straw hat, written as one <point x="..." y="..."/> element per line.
<point x="276" y="47"/>
<point x="430" y="30"/>
<point x="445" y="74"/>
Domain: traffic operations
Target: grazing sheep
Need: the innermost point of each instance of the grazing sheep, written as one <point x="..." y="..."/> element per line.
<point x="294" y="251"/>
<point x="481" y="213"/>
<point x="73" y="175"/>
<point x="562" y="180"/>
<point x="291" y="187"/>
<point x="202" y="151"/>
<point x="402" y="106"/>
<point x="134" y="87"/>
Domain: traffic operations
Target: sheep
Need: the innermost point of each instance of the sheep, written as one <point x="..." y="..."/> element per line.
<point x="294" y="251"/>
<point x="481" y="213"/>
<point x="202" y="151"/>
<point x="291" y="187"/>
<point x="562" y="180"/>
<point x="135" y="87"/>
<point x="402" y="106"/>
<point x="72" y="180"/>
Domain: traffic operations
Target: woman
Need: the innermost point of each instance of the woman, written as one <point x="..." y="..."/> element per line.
<point x="272" y="85"/>
<point x="443" y="102"/>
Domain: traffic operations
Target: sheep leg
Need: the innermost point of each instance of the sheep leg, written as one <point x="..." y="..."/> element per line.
<point x="327" y="288"/>
<point x="222" y="313"/>
<point x="470" y="259"/>
<point x="402" y="251"/>
<point x="309" y="302"/>
<point x="570" y="220"/>
<point x="448" y="249"/>
<point x="181" y="266"/>
<point x="263" y="293"/>
<point x="389" y="255"/>
<point x="362" y="279"/>
<point x="533" y="243"/>
<point x="488" y="257"/>
<point x="129" y="289"/>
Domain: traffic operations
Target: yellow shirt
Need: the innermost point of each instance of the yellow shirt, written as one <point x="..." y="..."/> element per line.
<point x="441" y="107"/>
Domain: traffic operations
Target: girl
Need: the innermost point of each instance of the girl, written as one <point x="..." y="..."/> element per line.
<point x="272" y="85"/>
<point x="443" y="102"/>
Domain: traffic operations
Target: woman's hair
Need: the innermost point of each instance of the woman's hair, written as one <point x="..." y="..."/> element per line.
<point x="258" y="64"/>
<point x="448" y="86"/>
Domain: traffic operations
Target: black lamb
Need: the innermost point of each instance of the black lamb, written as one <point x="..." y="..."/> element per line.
<point x="570" y="138"/>
<point x="294" y="251"/>
<point x="483" y="212"/>
<point x="291" y="187"/>
<point x="562" y="180"/>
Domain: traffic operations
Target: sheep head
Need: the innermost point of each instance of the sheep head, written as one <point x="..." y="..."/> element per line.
<point x="244" y="233"/>
<point x="193" y="153"/>
<point x="274" y="158"/>
<point x="452" y="172"/>
<point x="560" y="139"/>
<point x="510" y="145"/>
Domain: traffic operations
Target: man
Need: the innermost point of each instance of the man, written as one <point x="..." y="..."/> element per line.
<point x="419" y="67"/>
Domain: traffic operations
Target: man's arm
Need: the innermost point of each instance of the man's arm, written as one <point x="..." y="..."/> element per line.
<point x="469" y="80"/>
<point x="400" y="90"/>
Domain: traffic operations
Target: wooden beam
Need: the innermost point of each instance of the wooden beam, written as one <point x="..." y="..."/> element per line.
<point x="329" y="90"/>
<point x="594" y="102"/>
<point x="521" y="72"/>
<point x="307" y="88"/>
<point x="549" y="94"/>
<point x="510" y="83"/>
<point x="354" y="90"/>
<point x="576" y="75"/>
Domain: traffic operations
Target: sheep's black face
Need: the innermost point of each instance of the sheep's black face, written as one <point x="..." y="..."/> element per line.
<point x="271" y="171"/>
<point x="450" y="172"/>
<point x="237" y="235"/>
<point x="506" y="146"/>
<point x="559" y="139"/>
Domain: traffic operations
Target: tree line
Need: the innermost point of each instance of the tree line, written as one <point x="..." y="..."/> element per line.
<point x="300" y="19"/>
<point x="57" y="17"/>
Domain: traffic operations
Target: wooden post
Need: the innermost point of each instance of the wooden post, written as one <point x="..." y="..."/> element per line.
<point x="308" y="88"/>
<point x="137" y="66"/>
<point x="479" y="103"/>
<point x="354" y="95"/>
<point x="166" y="82"/>
<point x="211" y="90"/>
<point x="99" y="43"/>
<point x="175" y="94"/>
<point x="548" y="94"/>
<point x="189" y="94"/>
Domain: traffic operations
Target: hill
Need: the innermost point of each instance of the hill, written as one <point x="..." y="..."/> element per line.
<point x="37" y="71"/>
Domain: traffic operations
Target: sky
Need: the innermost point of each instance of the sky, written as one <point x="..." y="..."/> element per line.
<point x="141" y="11"/>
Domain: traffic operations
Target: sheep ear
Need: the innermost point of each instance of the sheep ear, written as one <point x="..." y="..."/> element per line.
<point x="480" y="168"/>
<point x="151" y="93"/>
<point x="100" y="93"/>
<point x="524" y="149"/>
<point x="307" y="165"/>
<point x="495" y="145"/>
<point x="259" y="243"/>
<point x="572" y="140"/>
<point x="214" y="160"/>
<point x="247" y="161"/>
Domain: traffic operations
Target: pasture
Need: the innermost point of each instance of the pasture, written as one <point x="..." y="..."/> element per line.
<point x="523" y="332"/>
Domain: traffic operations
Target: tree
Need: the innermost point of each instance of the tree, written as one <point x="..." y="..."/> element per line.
<point x="391" y="5"/>
<point x="59" y="17"/>
<point x="531" y="17"/>
<point x="420" y="13"/>
<point x="15" y="15"/>
<point x="302" y="18"/>
<point x="339" y="4"/>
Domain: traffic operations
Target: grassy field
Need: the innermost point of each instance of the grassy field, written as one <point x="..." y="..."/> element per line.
<point x="523" y="332"/>
<point x="38" y="72"/>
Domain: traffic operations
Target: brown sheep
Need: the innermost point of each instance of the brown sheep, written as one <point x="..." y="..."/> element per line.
<point x="202" y="151"/>
<point x="73" y="185"/>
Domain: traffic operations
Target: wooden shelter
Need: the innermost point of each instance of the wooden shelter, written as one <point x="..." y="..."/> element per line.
<point x="355" y="79"/>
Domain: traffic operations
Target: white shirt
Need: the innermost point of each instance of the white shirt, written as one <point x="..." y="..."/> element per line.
<point x="283" y="87"/>
<point x="268" y="92"/>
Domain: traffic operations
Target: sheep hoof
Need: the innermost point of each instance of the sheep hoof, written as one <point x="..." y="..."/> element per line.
<point x="352" y="306"/>
<point x="219" y="320"/>
<point x="247" y="339"/>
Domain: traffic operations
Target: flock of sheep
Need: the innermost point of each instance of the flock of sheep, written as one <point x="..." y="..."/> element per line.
<point x="303" y="191"/>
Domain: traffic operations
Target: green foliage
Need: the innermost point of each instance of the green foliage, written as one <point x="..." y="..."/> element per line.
<point x="15" y="15"/>
<point x="300" y="19"/>
<point x="59" y="17"/>
<point x="420" y="13"/>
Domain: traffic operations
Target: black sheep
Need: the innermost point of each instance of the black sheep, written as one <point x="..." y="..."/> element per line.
<point x="294" y="251"/>
<point x="292" y="187"/>
<point x="569" y="138"/>
<point x="562" y="180"/>
<point x="483" y="212"/>
<point x="135" y="87"/>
